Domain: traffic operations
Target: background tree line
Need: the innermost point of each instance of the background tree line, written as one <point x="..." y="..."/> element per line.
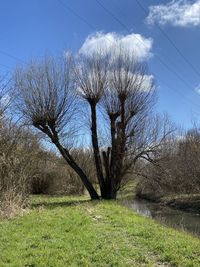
<point x="176" y="167"/>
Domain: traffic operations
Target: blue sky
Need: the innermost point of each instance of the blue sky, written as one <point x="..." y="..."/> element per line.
<point x="30" y="28"/>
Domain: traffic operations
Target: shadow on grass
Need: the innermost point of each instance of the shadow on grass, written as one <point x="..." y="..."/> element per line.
<point x="57" y="204"/>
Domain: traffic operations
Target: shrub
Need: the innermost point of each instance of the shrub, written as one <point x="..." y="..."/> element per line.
<point x="176" y="168"/>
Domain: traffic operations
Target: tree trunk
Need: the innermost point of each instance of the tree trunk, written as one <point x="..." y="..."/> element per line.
<point x="52" y="133"/>
<point x="95" y="144"/>
<point x="110" y="192"/>
<point x="107" y="185"/>
<point x="88" y="185"/>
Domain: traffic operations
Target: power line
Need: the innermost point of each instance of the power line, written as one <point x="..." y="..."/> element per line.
<point x="13" y="57"/>
<point x="158" y="57"/>
<point x="80" y="17"/>
<point x="123" y="25"/>
<point x="186" y="99"/>
<point x="112" y="15"/>
<point x="5" y="66"/>
<point x="171" y="61"/>
<point x="76" y="14"/>
<point x="170" y="41"/>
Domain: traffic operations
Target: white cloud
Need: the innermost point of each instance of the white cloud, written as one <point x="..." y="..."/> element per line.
<point x="177" y="13"/>
<point x="136" y="44"/>
<point x="147" y="83"/>
<point x="143" y="82"/>
<point x="197" y="89"/>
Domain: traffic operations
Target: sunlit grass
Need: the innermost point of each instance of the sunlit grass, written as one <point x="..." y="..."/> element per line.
<point x="73" y="231"/>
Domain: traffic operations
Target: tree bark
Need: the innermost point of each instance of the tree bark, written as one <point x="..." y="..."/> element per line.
<point x="96" y="151"/>
<point x="88" y="185"/>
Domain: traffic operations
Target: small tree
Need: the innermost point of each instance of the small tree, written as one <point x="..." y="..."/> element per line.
<point x="116" y="85"/>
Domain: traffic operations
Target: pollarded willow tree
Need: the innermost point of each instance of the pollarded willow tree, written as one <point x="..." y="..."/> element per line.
<point x="118" y="86"/>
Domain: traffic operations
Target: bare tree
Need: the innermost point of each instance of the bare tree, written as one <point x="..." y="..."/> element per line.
<point x="118" y="86"/>
<point x="47" y="99"/>
<point x="121" y="87"/>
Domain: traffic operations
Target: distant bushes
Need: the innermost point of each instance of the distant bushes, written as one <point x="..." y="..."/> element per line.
<point x="54" y="177"/>
<point x="26" y="168"/>
<point x="175" y="169"/>
<point x="18" y="150"/>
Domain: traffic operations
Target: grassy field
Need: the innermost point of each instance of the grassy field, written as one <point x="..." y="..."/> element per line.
<point x="75" y="232"/>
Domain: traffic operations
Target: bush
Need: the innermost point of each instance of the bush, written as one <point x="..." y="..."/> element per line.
<point x="15" y="168"/>
<point x="176" y="168"/>
<point x="11" y="203"/>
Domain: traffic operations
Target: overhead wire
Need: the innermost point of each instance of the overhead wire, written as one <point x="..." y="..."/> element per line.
<point x="157" y="56"/>
<point x="172" y="62"/>
<point x="11" y="56"/>
<point x="123" y="25"/>
<point x="76" y="14"/>
<point x="171" y="41"/>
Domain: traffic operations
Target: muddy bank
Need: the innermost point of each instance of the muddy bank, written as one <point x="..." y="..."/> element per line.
<point x="190" y="203"/>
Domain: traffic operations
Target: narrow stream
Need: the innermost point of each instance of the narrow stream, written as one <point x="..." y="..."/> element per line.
<point x="178" y="219"/>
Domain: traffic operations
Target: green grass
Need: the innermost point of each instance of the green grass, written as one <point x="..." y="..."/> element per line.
<point x="63" y="231"/>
